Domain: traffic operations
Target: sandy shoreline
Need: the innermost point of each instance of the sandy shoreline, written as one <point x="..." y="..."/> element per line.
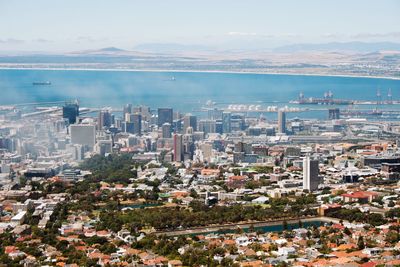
<point x="202" y="71"/>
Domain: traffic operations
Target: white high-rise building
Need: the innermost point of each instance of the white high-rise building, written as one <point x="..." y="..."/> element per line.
<point x="83" y="134"/>
<point x="310" y="174"/>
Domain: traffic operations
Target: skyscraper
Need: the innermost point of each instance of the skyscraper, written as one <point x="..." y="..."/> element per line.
<point x="310" y="174"/>
<point x="281" y="121"/>
<point x="178" y="147"/>
<point x="104" y="120"/>
<point x="136" y="119"/>
<point x="207" y="126"/>
<point x="144" y="111"/>
<point x="215" y="114"/>
<point x="165" y="115"/>
<point x="83" y="134"/>
<point x="189" y="121"/>
<point x="129" y="127"/>
<point x="166" y="130"/>
<point x="127" y="109"/>
<point x="104" y="147"/>
<point x="188" y="144"/>
<point x="334" y="114"/>
<point x="226" y="122"/>
<point x="71" y="112"/>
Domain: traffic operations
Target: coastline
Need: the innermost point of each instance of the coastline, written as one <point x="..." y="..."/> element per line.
<point x="201" y="71"/>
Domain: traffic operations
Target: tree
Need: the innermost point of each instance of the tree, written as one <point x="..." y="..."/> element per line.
<point x="236" y="171"/>
<point x="284" y="225"/>
<point x="193" y="193"/>
<point x="360" y="243"/>
<point x="239" y="230"/>
<point x="392" y="237"/>
<point x="347" y="231"/>
<point x="393" y="213"/>
<point x="62" y="245"/>
<point x="251" y="228"/>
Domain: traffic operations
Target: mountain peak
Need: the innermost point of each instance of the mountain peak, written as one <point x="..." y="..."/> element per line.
<point x="111" y="49"/>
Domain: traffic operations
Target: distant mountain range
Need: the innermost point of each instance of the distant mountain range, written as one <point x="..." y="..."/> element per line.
<point x="344" y="47"/>
<point x="381" y="59"/>
<point x="176" y="49"/>
<point x="358" y="47"/>
<point x="171" y="48"/>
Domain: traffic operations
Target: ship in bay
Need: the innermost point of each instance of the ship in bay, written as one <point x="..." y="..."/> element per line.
<point x="42" y="83"/>
<point x="326" y="100"/>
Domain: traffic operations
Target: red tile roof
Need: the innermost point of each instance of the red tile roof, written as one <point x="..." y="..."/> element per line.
<point x="360" y="194"/>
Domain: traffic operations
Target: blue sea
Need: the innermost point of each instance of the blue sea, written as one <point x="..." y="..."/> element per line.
<point x="184" y="91"/>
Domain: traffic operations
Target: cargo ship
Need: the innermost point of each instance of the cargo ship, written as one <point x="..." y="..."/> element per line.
<point x="326" y="100"/>
<point x="350" y="113"/>
<point x="42" y="83"/>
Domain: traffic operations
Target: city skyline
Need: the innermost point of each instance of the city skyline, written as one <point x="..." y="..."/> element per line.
<point x="200" y="133"/>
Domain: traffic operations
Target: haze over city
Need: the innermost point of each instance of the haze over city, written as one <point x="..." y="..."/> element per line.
<point x="200" y="133"/>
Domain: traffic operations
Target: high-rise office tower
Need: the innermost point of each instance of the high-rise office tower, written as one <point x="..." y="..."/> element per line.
<point x="310" y="174"/>
<point x="127" y="109"/>
<point x="83" y="134"/>
<point x="189" y="130"/>
<point x="104" y="120"/>
<point x="189" y="121"/>
<point x="207" y="126"/>
<point x="215" y="114"/>
<point x="136" y="119"/>
<point x="178" y="147"/>
<point x="334" y="114"/>
<point x="118" y="122"/>
<point x="166" y="130"/>
<point x="219" y="126"/>
<point x="226" y="122"/>
<point x="71" y="112"/>
<point x="177" y="126"/>
<point x="128" y="127"/>
<point x="237" y="122"/>
<point x="144" y="111"/>
<point x="165" y="115"/>
<point x="188" y="144"/>
<point x="104" y="147"/>
<point x="281" y="121"/>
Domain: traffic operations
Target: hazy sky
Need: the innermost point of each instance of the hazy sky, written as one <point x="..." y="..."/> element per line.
<point x="55" y="25"/>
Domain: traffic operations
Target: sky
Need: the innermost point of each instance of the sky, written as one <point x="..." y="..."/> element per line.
<point x="70" y="25"/>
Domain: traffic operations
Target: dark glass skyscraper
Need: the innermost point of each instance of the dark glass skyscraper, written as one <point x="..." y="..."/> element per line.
<point x="137" y="123"/>
<point x="165" y="115"/>
<point x="71" y="112"/>
<point x="334" y="114"/>
<point x="104" y="120"/>
<point x="189" y="121"/>
<point x="226" y="122"/>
